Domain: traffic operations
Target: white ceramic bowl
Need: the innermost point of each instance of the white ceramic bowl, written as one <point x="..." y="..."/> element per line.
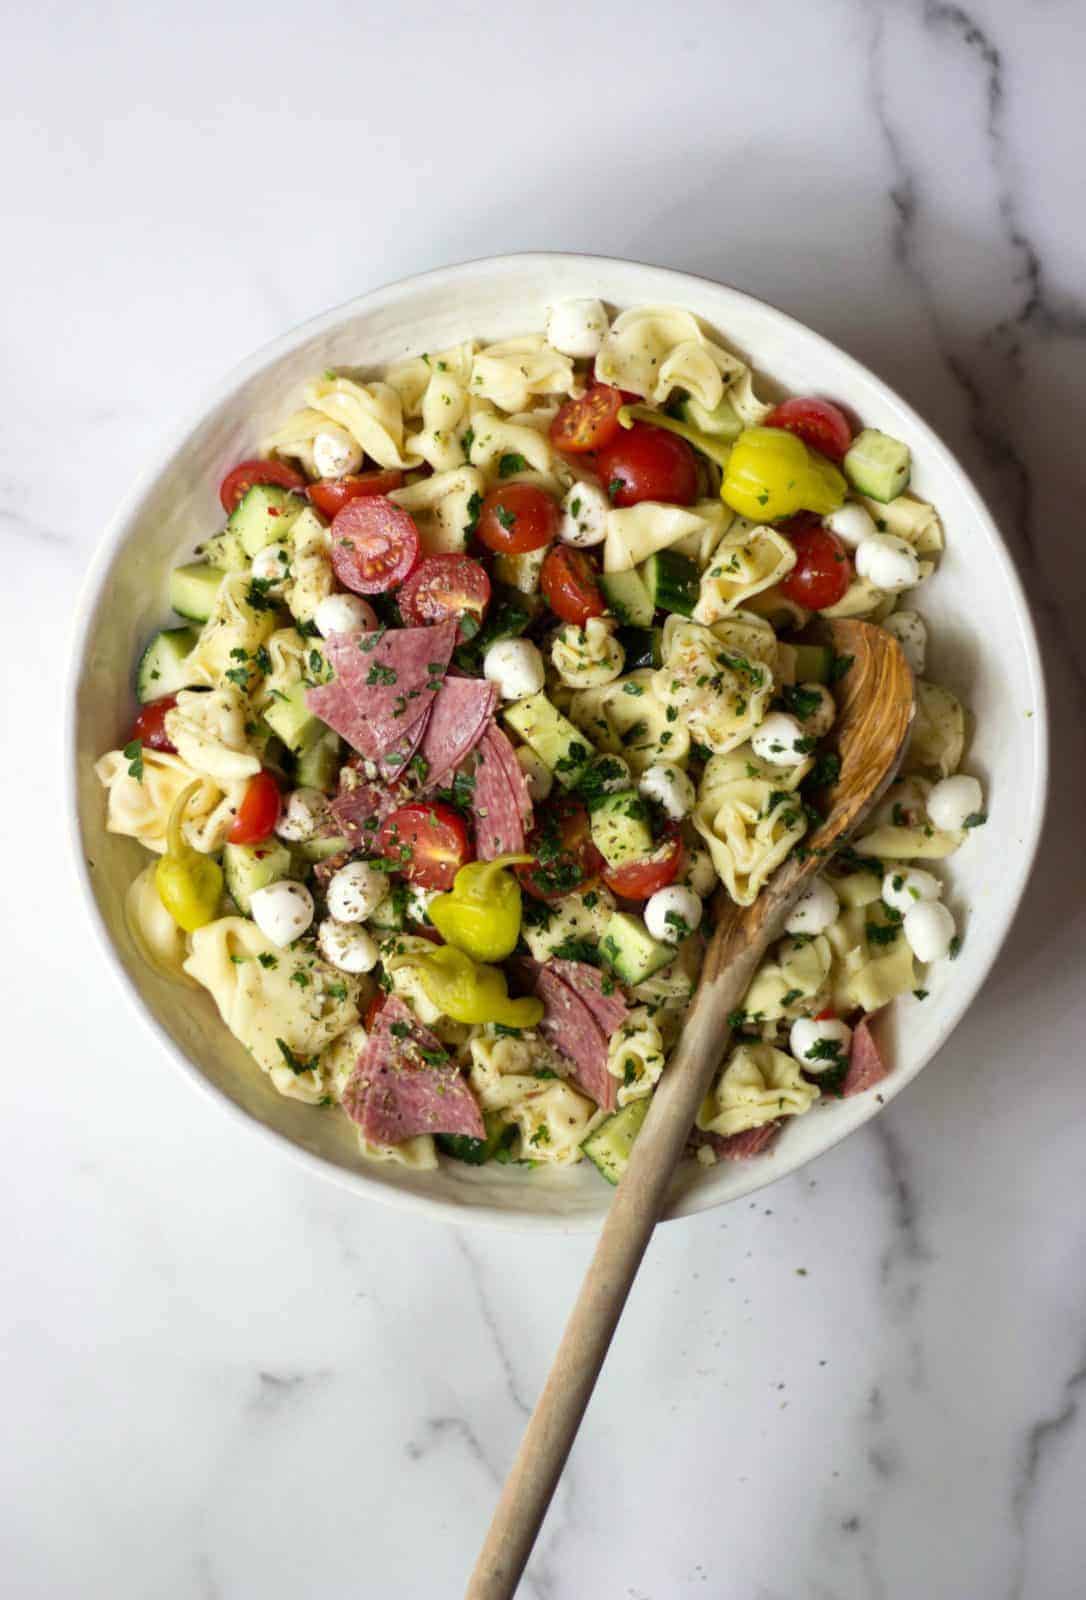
<point x="983" y="647"/>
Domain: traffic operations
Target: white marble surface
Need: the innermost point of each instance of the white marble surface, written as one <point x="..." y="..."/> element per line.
<point x="224" y="1378"/>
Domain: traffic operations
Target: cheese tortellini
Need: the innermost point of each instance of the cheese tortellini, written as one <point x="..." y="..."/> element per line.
<point x="759" y="1083"/>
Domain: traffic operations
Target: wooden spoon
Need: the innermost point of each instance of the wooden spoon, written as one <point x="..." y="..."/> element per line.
<point x="875" y="707"/>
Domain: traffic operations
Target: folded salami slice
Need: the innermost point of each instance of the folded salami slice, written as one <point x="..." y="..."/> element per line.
<point x="458" y="719"/>
<point x="600" y="994"/>
<point x="405" y="1083"/>
<point x="499" y="829"/>
<point x="866" y="1067"/>
<point x="740" y="1146"/>
<point x="570" y="1027"/>
<point x="384" y="683"/>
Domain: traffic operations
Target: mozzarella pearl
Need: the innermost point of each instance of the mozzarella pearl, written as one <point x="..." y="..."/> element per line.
<point x="929" y="928"/>
<point x="908" y="628"/>
<point x="516" y="666"/>
<point x="336" y="453"/>
<point x="537" y="774"/>
<point x="347" y="946"/>
<point x="584" y="516"/>
<point x="851" y="523"/>
<point x="669" y="786"/>
<point x="271" y="566"/>
<point x="672" y="913"/>
<point x="888" y="562"/>
<point x="779" y="740"/>
<point x="282" y="911"/>
<point x="809" y="1033"/>
<point x="344" y="613"/>
<point x="302" y="816"/>
<point x="953" y="801"/>
<point x="903" y="890"/>
<point x="818" y="722"/>
<point x="355" y="891"/>
<point x="815" y="910"/>
<point x="576" y="327"/>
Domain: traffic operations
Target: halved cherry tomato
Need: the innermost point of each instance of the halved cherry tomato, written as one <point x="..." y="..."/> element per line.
<point x="517" y="518"/>
<point x="258" y="812"/>
<point x="375" y="544"/>
<point x="636" y="880"/>
<point x="429" y="843"/>
<point x="822" y="572"/>
<point x="566" y="860"/>
<point x="568" y="581"/>
<point x="647" y="463"/>
<point x="818" y="423"/>
<point x="330" y="495"/>
<point x="588" y="423"/>
<point x="442" y="587"/>
<point x="149" y="725"/>
<point x="240" y="479"/>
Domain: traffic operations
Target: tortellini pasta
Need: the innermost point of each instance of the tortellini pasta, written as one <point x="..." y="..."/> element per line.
<point x="791" y="984"/>
<point x="900" y="829"/>
<point x="441" y="506"/>
<point x="738" y="571"/>
<point x="635" y="1055"/>
<point x="759" y="1083"/>
<point x="937" y="736"/>
<point x="588" y="657"/>
<point x="512" y="372"/>
<point x="872" y="962"/>
<point x="209" y="732"/>
<point x="750" y="818"/>
<point x="720" y="695"/>
<point x="233" y="634"/>
<point x="653" y="350"/>
<point x="139" y="807"/>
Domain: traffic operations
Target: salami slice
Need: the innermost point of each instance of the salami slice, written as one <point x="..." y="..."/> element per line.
<point x="570" y="1027"/>
<point x="458" y="719"/>
<point x="599" y="993"/>
<point x="384" y="682"/>
<point x="498" y="827"/>
<point x="866" y="1066"/>
<point x="405" y="1084"/>
<point x="740" y="1146"/>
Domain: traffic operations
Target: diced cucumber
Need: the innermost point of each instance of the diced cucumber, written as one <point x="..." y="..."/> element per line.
<point x="263" y="516"/>
<point x="521" y="571"/>
<point x="320" y="849"/>
<point x="462" y="1147"/>
<point x="319" y="763"/>
<point x="630" y="949"/>
<point x="643" y="647"/>
<point x="878" y="465"/>
<point x="557" y="743"/>
<point x="193" y="589"/>
<point x="162" y="668"/>
<point x="723" y="422"/>
<point x="620" y="827"/>
<point x="609" y="1147"/>
<point x="249" y="867"/>
<point x="627" y="597"/>
<point x="289" y="717"/>
<point x="814" y="663"/>
<point x="672" y="582"/>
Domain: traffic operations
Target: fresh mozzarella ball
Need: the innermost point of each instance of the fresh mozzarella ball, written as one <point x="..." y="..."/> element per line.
<point x="905" y="889"/>
<point x="344" y="613"/>
<point x="271" y="566"/>
<point x="537" y="774"/>
<point x="584" y="515"/>
<point x="355" y="891"/>
<point x="818" y="722"/>
<point x="953" y="801"/>
<point x="347" y="946"/>
<point x="282" y="911"/>
<point x="779" y="740"/>
<point x="888" y="562"/>
<point x="815" y="910"/>
<point x="576" y="327"/>
<point x="336" y="453"/>
<point x="672" y="913"/>
<point x="669" y="786"/>
<point x="929" y="928"/>
<point x="811" y="1041"/>
<point x="417" y="903"/>
<point x="302" y="815"/>
<point x="908" y="628"/>
<point x="851" y="523"/>
<point x="516" y="666"/>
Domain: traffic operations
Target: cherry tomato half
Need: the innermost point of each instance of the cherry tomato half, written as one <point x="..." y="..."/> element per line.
<point x="817" y="422"/>
<point x="822" y="572"/>
<point x="375" y="544"/>
<point x="240" y="479"/>
<point x="588" y="423"/>
<point x="442" y="587"/>
<point x="568" y="581"/>
<point x="429" y="843"/>
<point x="517" y="518"/>
<point x="647" y="463"/>
<point x="258" y="812"/>
<point x="150" y="725"/>
<point x="330" y="495"/>
<point x="566" y="860"/>
<point x="636" y="880"/>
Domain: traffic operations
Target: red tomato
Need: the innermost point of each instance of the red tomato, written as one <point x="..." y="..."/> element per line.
<point x="822" y="571"/>
<point x="149" y="726"/>
<point x="332" y="494"/>
<point x="568" y="581"/>
<point x="442" y="587"/>
<point x="517" y="518"/>
<point x="636" y="880"/>
<point x="647" y="463"/>
<point x="241" y="478"/>
<point x="817" y="422"/>
<point x="375" y="545"/>
<point x="588" y="423"/>
<point x="566" y="860"/>
<point x="428" y="842"/>
<point x="258" y="812"/>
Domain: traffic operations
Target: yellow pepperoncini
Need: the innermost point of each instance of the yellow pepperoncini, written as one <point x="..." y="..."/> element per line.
<point x="189" y="884"/>
<point x="772" y="474"/>
<point x="481" y="913"/>
<point x="466" y="990"/>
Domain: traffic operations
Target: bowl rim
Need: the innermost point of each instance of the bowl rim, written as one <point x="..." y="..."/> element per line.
<point x="175" y="438"/>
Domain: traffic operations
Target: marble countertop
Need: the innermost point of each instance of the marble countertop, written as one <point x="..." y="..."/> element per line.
<point x="223" y="1377"/>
